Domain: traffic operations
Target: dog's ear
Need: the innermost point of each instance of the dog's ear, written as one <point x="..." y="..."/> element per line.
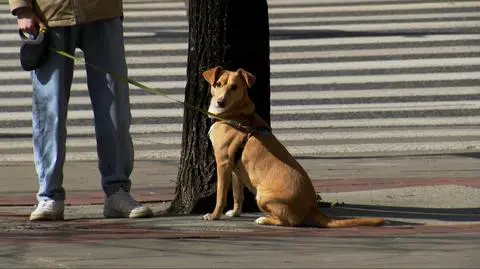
<point x="212" y="74"/>
<point x="247" y="76"/>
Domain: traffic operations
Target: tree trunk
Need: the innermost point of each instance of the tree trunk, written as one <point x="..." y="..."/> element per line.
<point x="233" y="34"/>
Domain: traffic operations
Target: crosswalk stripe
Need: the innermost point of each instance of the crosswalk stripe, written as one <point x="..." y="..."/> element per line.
<point x="277" y="56"/>
<point x="323" y="80"/>
<point x="281" y="125"/>
<point x="370" y="40"/>
<point x="338" y="55"/>
<point x="378" y="17"/>
<point x="379" y="7"/>
<point x="277" y="110"/>
<point x="391" y="122"/>
<point x="276" y="96"/>
<point x="398" y="26"/>
<point x="317" y="150"/>
<point x="412" y="18"/>
<point x="382" y="27"/>
<point x="91" y="156"/>
<point x="298" y="42"/>
<point x="284" y="136"/>
<point x="301" y="67"/>
<point x="160" y="6"/>
<point x="450" y="146"/>
<point x="374" y="78"/>
<point x="141" y="5"/>
<point x="320" y="9"/>
<point x="354" y="26"/>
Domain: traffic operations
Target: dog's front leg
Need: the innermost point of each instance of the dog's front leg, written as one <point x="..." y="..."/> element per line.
<point x="224" y="178"/>
<point x="237" y="189"/>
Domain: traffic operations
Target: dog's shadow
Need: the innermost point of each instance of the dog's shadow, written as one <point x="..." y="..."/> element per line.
<point x="404" y="215"/>
<point x="474" y="155"/>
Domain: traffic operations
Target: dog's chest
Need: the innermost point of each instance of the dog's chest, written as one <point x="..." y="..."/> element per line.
<point x="211" y="134"/>
<point x="226" y="139"/>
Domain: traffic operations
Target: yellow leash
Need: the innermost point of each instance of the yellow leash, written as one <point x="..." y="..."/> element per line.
<point x="135" y="83"/>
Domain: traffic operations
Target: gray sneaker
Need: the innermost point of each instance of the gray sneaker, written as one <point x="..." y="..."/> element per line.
<point x="48" y="210"/>
<point x="122" y="205"/>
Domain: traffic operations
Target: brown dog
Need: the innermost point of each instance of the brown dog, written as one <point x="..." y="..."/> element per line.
<point x="243" y="144"/>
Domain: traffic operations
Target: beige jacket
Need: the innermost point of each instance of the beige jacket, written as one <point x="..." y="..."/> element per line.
<point x="57" y="13"/>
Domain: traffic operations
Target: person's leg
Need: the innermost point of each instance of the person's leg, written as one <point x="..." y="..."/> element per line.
<point x="102" y="43"/>
<point x="51" y="90"/>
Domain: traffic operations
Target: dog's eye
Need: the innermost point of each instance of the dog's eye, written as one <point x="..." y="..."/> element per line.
<point x="234" y="87"/>
<point x="216" y="85"/>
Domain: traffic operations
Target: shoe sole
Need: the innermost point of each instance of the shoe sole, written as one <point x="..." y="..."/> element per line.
<point x="146" y="213"/>
<point x="47" y="217"/>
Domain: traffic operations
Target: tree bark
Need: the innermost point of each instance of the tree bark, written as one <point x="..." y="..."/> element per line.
<point x="233" y="34"/>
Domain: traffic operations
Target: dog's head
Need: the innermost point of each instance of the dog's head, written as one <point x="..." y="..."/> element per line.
<point x="229" y="91"/>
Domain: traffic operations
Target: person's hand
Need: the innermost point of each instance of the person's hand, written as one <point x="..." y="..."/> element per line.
<point x="28" y="21"/>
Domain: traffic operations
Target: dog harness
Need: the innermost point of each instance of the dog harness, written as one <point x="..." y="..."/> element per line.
<point x="249" y="130"/>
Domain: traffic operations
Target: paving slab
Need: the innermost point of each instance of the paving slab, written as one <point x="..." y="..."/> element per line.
<point x="424" y="251"/>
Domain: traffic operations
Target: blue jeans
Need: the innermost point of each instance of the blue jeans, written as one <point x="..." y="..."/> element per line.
<point x="102" y="45"/>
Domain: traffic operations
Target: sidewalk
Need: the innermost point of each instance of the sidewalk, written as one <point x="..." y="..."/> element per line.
<point x="431" y="202"/>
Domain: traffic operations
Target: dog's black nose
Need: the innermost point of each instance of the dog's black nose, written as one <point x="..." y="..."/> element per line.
<point x="221" y="102"/>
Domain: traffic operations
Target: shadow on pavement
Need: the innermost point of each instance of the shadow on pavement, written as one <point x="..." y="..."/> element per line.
<point x="414" y="213"/>
<point x="474" y="155"/>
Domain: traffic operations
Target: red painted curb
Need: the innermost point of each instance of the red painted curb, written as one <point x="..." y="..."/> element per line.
<point x="92" y="198"/>
<point x="325" y="186"/>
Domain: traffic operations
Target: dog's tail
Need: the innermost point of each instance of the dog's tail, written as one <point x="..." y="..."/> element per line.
<point x="325" y="221"/>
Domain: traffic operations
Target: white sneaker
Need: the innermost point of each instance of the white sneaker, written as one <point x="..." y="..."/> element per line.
<point x="122" y="205"/>
<point x="48" y="210"/>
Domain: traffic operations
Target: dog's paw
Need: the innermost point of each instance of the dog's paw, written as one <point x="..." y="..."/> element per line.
<point x="209" y="216"/>
<point x="232" y="213"/>
<point x="261" y="220"/>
